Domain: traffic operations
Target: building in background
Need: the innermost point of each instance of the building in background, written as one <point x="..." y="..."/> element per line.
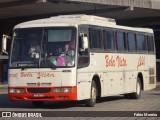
<point x="141" y="13"/>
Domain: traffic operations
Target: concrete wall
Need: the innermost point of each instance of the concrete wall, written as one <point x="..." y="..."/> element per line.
<point x="153" y="4"/>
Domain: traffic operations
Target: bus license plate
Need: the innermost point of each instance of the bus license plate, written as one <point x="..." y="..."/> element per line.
<point x="38" y="95"/>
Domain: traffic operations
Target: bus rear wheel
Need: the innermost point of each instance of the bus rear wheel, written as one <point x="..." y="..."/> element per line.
<point x="137" y="94"/>
<point x="37" y="103"/>
<point x="92" y="101"/>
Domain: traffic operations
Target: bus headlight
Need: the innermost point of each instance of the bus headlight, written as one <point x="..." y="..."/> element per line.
<point x="67" y="90"/>
<point x="16" y="90"/>
<point x="57" y="90"/>
<point x="62" y="90"/>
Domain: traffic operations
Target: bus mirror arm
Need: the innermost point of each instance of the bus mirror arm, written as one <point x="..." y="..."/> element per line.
<point x="4" y="43"/>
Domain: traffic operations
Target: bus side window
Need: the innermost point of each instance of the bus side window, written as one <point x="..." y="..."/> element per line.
<point x="83" y="56"/>
<point x="95" y="39"/>
<point x="150" y="44"/>
<point x="120" y="41"/>
<point x="108" y="40"/>
<point x="131" y="42"/>
<point x="125" y="42"/>
<point x="141" y="43"/>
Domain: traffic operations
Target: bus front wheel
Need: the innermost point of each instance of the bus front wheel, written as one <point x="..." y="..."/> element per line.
<point x="92" y="101"/>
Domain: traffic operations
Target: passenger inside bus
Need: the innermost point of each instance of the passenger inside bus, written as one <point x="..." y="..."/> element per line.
<point x="35" y="48"/>
<point x="68" y="55"/>
<point x="65" y="58"/>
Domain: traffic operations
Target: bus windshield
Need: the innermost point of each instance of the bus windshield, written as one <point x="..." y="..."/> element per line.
<point x="43" y="47"/>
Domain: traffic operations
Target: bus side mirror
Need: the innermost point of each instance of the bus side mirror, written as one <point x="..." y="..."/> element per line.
<point x="84" y="42"/>
<point x="4" y="43"/>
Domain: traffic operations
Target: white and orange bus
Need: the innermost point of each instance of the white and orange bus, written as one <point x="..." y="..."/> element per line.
<point x="80" y="57"/>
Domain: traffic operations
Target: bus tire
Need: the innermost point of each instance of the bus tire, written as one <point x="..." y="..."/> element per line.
<point x="137" y="94"/>
<point x="37" y="103"/>
<point x="92" y="101"/>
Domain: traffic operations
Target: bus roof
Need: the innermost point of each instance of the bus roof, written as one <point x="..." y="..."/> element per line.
<point x="72" y="20"/>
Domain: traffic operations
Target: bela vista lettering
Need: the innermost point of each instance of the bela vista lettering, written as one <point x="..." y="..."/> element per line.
<point x="121" y="61"/>
<point x="118" y="61"/>
<point x="24" y="74"/>
<point x="109" y="61"/>
<point x="39" y="74"/>
<point x="12" y="75"/>
<point x="44" y="74"/>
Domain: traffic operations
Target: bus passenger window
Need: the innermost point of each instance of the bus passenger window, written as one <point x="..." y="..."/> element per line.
<point x="83" y="55"/>
<point x="120" y="41"/>
<point x="150" y="44"/>
<point x="96" y="39"/>
<point x="141" y="43"/>
<point x="131" y="42"/>
<point x="108" y="40"/>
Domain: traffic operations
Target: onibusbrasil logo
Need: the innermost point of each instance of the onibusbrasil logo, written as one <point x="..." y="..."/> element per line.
<point x="21" y="114"/>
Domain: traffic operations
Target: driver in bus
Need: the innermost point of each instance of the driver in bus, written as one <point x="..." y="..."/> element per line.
<point x="68" y="51"/>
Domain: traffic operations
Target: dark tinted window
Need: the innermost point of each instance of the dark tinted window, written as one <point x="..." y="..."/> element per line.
<point x="141" y="42"/>
<point x="108" y="40"/>
<point x="131" y="42"/>
<point x="120" y="41"/>
<point x="150" y="44"/>
<point x="83" y="57"/>
<point x="96" y="38"/>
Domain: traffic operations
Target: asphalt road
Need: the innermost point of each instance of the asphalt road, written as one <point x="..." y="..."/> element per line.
<point x="149" y="101"/>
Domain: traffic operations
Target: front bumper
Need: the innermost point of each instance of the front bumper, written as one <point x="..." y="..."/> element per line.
<point x="43" y="95"/>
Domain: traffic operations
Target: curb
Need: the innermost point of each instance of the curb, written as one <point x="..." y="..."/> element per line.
<point x="3" y="86"/>
<point x="3" y="89"/>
